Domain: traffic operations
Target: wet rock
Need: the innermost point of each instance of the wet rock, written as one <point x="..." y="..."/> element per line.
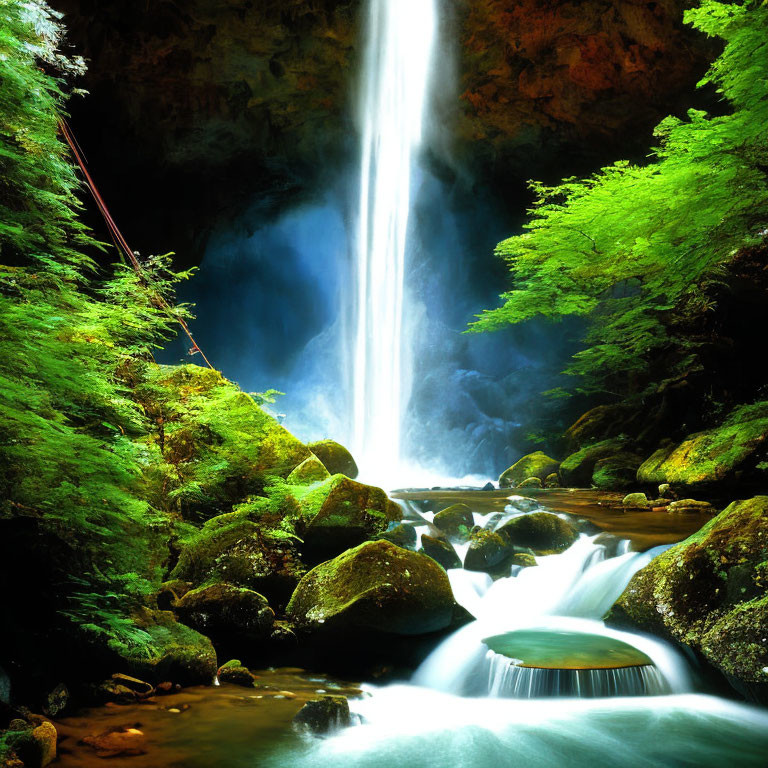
<point x="440" y="550"/>
<point x="486" y="550"/>
<point x="56" y="701"/>
<point x="375" y="587"/>
<point x="335" y="457"/>
<point x="455" y="521"/>
<point x="34" y="746"/>
<point x="139" y="687"/>
<point x="617" y="472"/>
<point x="577" y="469"/>
<point x="225" y="612"/>
<point x="235" y="673"/>
<point x="542" y="532"/>
<point x="666" y="492"/>
<point x="709" y="592"/>
<point x="489" y="486"/>
<point x="531" y="482"/>
<point x="724" y="454"/>
<point x="536" y="464"/>
<point x="311" y="470"/>
<point x="636" y="501"/>
<point x="401" y="535"/>
<point x="552" y="481"/>
<point x="523" y="559"/>
<point x="323" y="715"/>
<point x="521" y="504"/>
<point x="684" y="506"/>
<point x="118" y="741"/>
<point x="342" y="513"/>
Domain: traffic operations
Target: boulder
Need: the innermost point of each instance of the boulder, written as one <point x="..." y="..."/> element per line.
<point x="341" y="513"/>
<point x="521" y="504"/>
<point x="724" y="454"/>
<point x="455" y="521"/>
<point x="552" y="481"/>
<point x="440" y="550"/>
<point x="401" y="534"/>
<point x="687" y="506"/>
<point x="244" y="554"/>
<point x="541" y="532"/>
<point x="33" y="745"/>
<point x="531" y="482"/>
<point x="323" y="715"/>
<point x="311" y="470"/>
<point x="666" y="492"/>
<point x="375" y="587"/>
<point x="597" y="424"/>
<point x="224" y="612"/>
<point x="577" y="469"/>
<point x="710" y="593"/>
<point x="616" y="472"/>
<point x="486" y="550"/>
<point x="234" y="673"/>
<point x="636" y="501"/>
<point x="335" y="457"/>
<point x="536" y="464"/>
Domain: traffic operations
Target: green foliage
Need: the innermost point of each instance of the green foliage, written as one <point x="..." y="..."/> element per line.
<point x="637" y="250"/>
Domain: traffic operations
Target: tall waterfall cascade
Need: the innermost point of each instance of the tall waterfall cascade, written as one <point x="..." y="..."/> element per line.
<point x="401" y="38"/>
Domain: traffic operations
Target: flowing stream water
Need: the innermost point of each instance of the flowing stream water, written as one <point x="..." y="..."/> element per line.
<point x="401" y="36"/>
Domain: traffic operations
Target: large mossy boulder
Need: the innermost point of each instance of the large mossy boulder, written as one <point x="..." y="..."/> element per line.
<point x="541" y="532"/>
<point x="599" y="423"/>
<point x="536" y="464"/>
<point x="710" y="592"/>
<point x="245" y="554"/>
<point x="486" y="551"/>
<point x="455" y="521"/>
<point x="342" y="513"/>
<point x="162" y="649"/>
<point x="617" y="472"/>
<point x="226" y="613"/>
<point x="311" y="470"/>
<point x="376" y="587"/>
<point x="440" y="550"/>
<point x="735" y="450"/>
<point x="576" y="470"/>
<point x="335" y="457"/>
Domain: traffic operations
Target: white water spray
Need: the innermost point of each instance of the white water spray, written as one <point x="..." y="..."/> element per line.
<point x="400" y="41"/>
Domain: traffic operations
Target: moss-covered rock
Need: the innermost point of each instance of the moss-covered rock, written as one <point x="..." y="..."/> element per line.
<point x="311" y="470"/>
<point x="690" y="506"/>
<point x="636" y="501"/>
<point x="710" y="592"/>
<point x="335" y="457"/>
<point x="323" y="715"/>
<point x="341" y="513"/>
<point x="523" y="559"/>
<point x="440" y="550"/>
<point x="455" y="521"/>
<point x="224" y="612"/>
<point x="541" y="532"/>
<point x="720" y="455"/>
<point x="402" y="534"/>
<point x="531" y="482"/>
<point x="577" y="469"/>
<point x="162" y="650"/>
<point x="234" y="673"/>
<point x="375" y="587"/>
<point x="536" y="464"/>
<point x="486" y="550"/>
<point x="244" y="554"/>
<point x="552" y="481"/>
<point x="617" y="472"/>
<point x="34" y="746"/>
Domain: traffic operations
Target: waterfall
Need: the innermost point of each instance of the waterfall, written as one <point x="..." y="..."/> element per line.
<point x="400" y="39"/>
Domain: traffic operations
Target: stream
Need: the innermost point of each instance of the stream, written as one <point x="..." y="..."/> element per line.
<point x="557" y="688"/>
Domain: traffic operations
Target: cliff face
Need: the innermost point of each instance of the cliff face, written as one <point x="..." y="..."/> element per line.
<point x="198" y="107"/>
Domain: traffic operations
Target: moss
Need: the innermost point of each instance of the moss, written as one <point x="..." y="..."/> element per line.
<point x="375" y="587"/>
<point x="336" y="458"/>
<point x="536" y="464"/>
<point x="577" y="469"/>
<point x="709" y="592"/>
<point x="440" y="551"/>
<point x="714" y="456"/>
<point x="617" y="472"/>
<point x="311" y="470"/>
<point x="455" y="521"/>
<point x="486" y="550"/>
<point x="541" y="532"/>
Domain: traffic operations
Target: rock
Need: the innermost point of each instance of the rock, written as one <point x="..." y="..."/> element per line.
<point x="46" y="737"/>
<point x="244" y="554"/>
<point x="169" y="651"/>
<point x="690" y="505"/>
<point x="170" y="592"/>
<point x="235" y="673"/>
<point x="375" y="587"/>
<point x="596" y="425"/>
<point x="523" y="559"/>
<point x="323" y="715"/>
<point x="489" y="486"/>
<point x="536" y="464"/>
<point x="342" y="513"/>
<point x="710" y="593"/>
<point x="110" y="692"/>
<point x="724" y="454"/>
<point x="139" y="687"/>
<point x="636" y="500"/>
<point x="440" y="550"/>
<point x="33" y="745"/>
<point x="56" y="701"/>
<point x="531" y="482"/>
<point x="486" y="550"/>
<point x="521" y="504"/>
<point x="577" y="469"/>
<point x="617" y="472"/>
<point x="542" y="532"/>
<point x="336" y="458"/>
<point x="402" y="535"/>
<point x="224" y="612"/>
<point x="311" y="470"/>
<point x="552" y="481"/>
<point x="666" y="492"/>
<point x="118" y="741"/>
<point x="455" y="521"/>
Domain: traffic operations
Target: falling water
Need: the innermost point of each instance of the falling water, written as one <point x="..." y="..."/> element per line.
<point x="400" y="40"/>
